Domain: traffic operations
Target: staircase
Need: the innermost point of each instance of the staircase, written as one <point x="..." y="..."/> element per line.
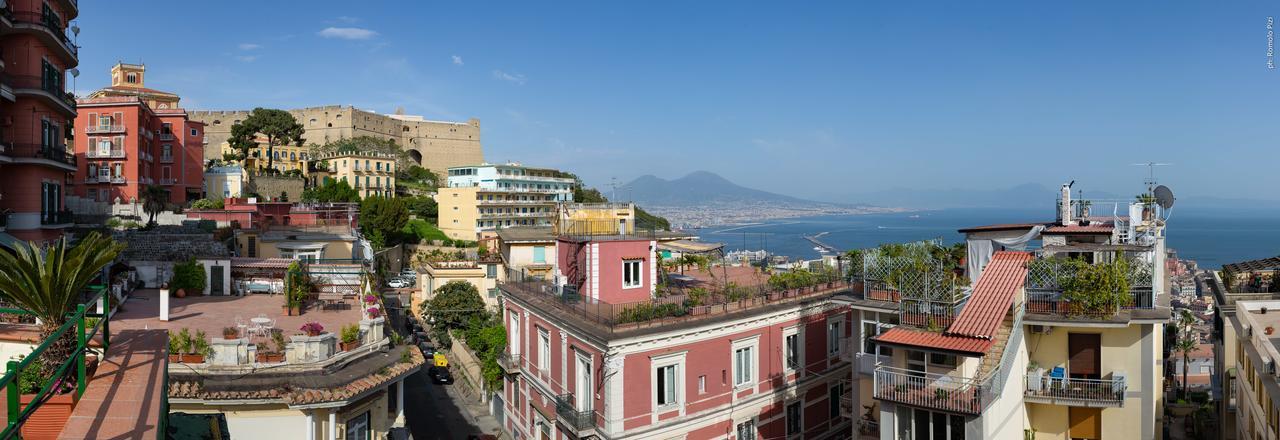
<point x="991" y="360"/>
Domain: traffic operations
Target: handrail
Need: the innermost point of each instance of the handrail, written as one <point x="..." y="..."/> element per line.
<point x="9" y="381"/>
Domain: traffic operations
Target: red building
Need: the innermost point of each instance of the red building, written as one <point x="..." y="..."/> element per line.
<point x="128" y="143"/>
<point x="605" y="351"/>
<point x="36" y="115"/>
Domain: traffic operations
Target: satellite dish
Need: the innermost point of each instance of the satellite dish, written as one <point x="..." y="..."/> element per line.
<point x="1164" y="197"/>
<point x="74" y="72"/>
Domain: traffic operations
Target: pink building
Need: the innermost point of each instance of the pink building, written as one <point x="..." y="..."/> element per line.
<point x="607" y="352"/>
<point x="255" y="214"/>
<point x="36" y="113"/>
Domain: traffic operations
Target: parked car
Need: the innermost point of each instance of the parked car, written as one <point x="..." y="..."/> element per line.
<point x="440" y="375"/>
<point x="408" y="273"/>
<point x="427" y="350"/>
<point x="397" y="283"/>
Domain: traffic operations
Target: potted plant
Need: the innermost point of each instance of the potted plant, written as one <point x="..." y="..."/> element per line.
<point x="1270" y="330"/>
<point x="199" y="349"/>
<point x="374" y="312"/>
<point x="230" y="333"/>
<point x="275" y="354"/>
<point x="350" y="337"/>
<point x="312" y="328"/>
<point x="179" y="343"/>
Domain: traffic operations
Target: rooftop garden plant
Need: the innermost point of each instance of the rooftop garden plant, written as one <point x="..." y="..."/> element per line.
<point x="350" y="334"/>
<point x="312" y="328"/>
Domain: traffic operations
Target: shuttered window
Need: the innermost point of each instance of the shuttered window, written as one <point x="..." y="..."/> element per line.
<point x="1086" y="423"/>
<point x="1086" y="357"/>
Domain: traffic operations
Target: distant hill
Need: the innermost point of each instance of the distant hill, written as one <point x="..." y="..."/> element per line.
<point x="701" y="188"/>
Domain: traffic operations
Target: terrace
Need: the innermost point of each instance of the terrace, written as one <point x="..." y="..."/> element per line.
<point x="1098" y="393"/>
<point x="921" y="280"/>
<point x="694" y="298"/>
<point x="1059" y="289"/>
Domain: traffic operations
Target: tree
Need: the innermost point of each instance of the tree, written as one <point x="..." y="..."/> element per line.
<point x="331" y="191"/>
<point x="47" y="281"/>
<point x="278" y="126"/>
<point x="456" y="303"/>
<point x="207" y="204"/>
<point x="1187" y="343"/>
<point x="386" y="216"/>
<point x="360" y="144"/>
<point x="154" y="199"/>
<point x="423" y="207"/>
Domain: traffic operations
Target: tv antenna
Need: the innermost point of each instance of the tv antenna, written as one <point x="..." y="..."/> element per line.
<point x="613" y="183"/>
<point x="1151" y="173"/>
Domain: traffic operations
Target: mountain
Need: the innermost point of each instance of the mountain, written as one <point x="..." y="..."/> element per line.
<point x="701" y="188"/>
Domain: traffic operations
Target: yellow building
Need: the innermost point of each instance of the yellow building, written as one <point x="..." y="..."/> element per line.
<point x="223" y="182"/>
<point x="482" y="198"/>
<point x="596" y="218"/>
<point x="1256" y="390"/>
<point x="371" y="174"/>
<point x="485" y="275"/>
<point x="287" y="157"/>
<point x="302" y="243"/>
<point x="130" y="80"/>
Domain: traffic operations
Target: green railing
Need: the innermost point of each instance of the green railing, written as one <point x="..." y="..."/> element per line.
<point x="17" y="414"/>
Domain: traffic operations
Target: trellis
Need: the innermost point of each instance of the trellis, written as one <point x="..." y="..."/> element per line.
<point x="928" y="293"/>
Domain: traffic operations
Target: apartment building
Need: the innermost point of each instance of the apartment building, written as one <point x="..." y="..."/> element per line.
<point x="135" y="136"/>
<point x="36" y="117"/>
<point x="282" y="158"/>
<point x="604" y="349"/>
<point x="370" y="174"/>
<point x="1256" y="388"/>
<point x="1016" y="348"/>
<point x="1235" y="284"/>
<point x="483" y="198"/>
<point x="224" y="182"/>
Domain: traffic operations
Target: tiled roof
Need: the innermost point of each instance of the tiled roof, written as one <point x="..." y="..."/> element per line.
<point x="194" y="389"/>
<point x="1105" y="228"/>
<point x="144" y="90"/>
<point x="936" y="341"/>
<point x="1001" y="227"/>
<point x="261" y="263"/>
<point x="992" y="295"/>
<point x="1252" y="265"/>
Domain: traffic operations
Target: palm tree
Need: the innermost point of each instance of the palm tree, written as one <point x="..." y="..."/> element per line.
<point x="154" y="199"/>
<point x="47" y="282"/>
<point x="1187" y="343"/>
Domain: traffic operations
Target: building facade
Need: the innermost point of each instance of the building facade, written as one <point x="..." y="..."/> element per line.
<point x="224" y="182"/>
<point x="487" y="197"/>
<point x="1235" y="284"/>
<point x="435" y="145"/>
<point x="36" y="117"/>
<point x="130" y="80"/>
<point x="1011" y="354"/>
<point x="128" y="145"/>
<point x="581" y="364"/>
<point x="1256" y="388"/>
<point x="370" y="174"/>
<point x="282" y="158"/>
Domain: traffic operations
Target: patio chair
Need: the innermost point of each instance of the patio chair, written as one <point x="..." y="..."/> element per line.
<point x="1059" y="375"/>
<point x="242" y="325"/>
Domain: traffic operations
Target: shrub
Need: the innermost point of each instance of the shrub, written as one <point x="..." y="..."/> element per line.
<point x="188" y="275"/>
<point x="350" y="333"/>
<point x="207" y="204"/>
<point x="200" y="343"/>
<point x="179" y="342"/>
<point x="1095" y="288"/>
<point x="647" y="311"/>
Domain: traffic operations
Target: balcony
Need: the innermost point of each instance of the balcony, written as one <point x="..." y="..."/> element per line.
<point x="1097" y="393"/>
<point x="928" y="390"/>
<point x="95" y="153"/>
<point x="1050" y="298"/>
<point x="567" y="413"/>
<point x="34" y="85"/>
<point x="56" y="218"/>
<point x="866" y="363"/>
<point x="48" y="29"/>
<point x="515" y="202"/>
<point x="509" y="362"/>
<point x="909" y="277"/>
<point x="104" y="129"/>
<point x="166" y="159"/>
<point x="168" y="181"/>
<point x="55" y="153"/>
<point x="166" y="136"/>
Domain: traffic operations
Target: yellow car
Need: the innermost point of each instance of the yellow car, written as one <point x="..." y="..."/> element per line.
<point x="440" y="360"/>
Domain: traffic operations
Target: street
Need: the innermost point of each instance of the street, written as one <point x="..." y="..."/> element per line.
<point x="433" y="412"/>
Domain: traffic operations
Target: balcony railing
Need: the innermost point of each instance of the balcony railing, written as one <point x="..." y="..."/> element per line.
<point x="928" y="292"/>
<point x="50" y="24"/>
<point x="1045" y="294"/>
<point x="866" y="363"/>
<point x="36" y="82"/>
<point x="567" y="412"/>
<point x="1075" y="392"/>
<point x="56" y="153"/>
<point x="166" y="136"/>
<point x="166" y="159"/>
<point x="56" y="217"/>
<point x="929" y="390"/>
<point x="95" y="129"/>
<point x="515" y="202"/>
<point x="510" y="362"/>
<point x="95" y="153"/>
<point x="169" y="181"/>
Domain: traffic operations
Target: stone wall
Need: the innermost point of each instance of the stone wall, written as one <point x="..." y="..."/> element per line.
<point x="436" y="145"/>
<point x="274" y="186"/>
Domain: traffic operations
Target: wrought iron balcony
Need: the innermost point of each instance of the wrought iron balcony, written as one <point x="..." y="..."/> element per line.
<point x="568" y="413"/>
<point x="97" y="129"/>
<point x="166" y="136"/>
<point x="95" y="153"/>
<point x="56" y="217"/>
<point x="1103" y="393"/>
<point x="56" y="153"/>
<point x="510" y="362"/>
<point x="928" y="390"/>
<point x="166" y="159"/>
<point x="168" y="181"/>
<point x="1046" y="293"/>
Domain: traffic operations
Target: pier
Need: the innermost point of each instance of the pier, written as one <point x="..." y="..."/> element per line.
<point x="826" y="248"/>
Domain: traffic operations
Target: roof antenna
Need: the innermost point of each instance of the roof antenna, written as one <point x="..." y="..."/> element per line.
<point x="1151" y="174"/>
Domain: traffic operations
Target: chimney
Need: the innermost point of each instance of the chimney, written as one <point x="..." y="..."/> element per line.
<point x="1064" y="209"/>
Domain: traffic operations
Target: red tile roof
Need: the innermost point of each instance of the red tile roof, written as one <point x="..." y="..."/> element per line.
<point x="1105" y="228"/>
<point x="992" y="296"/>
<point x="194" y="389"/>
<point x="936" y="341"/>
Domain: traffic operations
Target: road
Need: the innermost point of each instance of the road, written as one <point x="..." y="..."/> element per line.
<point x="432" y="411"/>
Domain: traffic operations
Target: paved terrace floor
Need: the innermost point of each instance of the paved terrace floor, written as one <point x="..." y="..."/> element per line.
<point x="213" y="313"/>
<point x="124" y="399"/>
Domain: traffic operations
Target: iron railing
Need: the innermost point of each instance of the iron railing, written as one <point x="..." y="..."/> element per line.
<point x="930" y="390"/>
<point x="50" y="24"/>
<point x="95" y="129"/>
<point x="166" y="159"/>
<point x="567" y="412"/>
<point x="1045" y="291"/>
<point x="95" y="153"/>
<point x="16" y="412"/>
<point x="56" y="217"/>
<point x="510" y="362"/>
<point x="929" y="295"/>
<point x="166" y="136"/>
<point x="1075" y="392"/>
<point x="56" y="153"/>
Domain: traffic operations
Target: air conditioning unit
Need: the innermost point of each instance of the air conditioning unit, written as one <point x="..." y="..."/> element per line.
<point x="1041" y="329"/>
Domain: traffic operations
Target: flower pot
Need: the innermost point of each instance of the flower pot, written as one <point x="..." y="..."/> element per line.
<point x="230" y="335"/>
<point x="47" y="421"/>
<point x="285" y="310"/>
<point x="270" y="358"/>
<point x="295" y="311"/>
<point x="175" y="358"/>
<point x="1270" y="330"/>
<point x="348" y="346"/>
<point x="181" y="293"/>
<point x="193" y="358"/>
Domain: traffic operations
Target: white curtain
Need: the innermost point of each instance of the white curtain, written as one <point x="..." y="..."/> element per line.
<point x="981" y="250"/>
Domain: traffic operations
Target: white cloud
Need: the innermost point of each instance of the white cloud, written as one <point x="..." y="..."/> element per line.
<point x="457" y="60"/>
<point x="249" y="46"/>
<point x="509" y="77"/>
<point x="247" y="58"/>
<point x="348" y="19"/>
<point x="347" y="33"/>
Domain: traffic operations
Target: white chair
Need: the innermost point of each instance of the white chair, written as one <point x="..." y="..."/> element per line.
<point x="242" y="325"/>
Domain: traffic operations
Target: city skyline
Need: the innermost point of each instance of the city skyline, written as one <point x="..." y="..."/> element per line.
<point x="755" y="94"/>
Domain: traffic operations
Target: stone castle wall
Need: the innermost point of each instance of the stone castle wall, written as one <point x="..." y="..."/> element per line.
<point x="435" y="145"/>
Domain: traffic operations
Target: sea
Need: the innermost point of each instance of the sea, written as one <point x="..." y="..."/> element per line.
<point x="1211" y="238"/>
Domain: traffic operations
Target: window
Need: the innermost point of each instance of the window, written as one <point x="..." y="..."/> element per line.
<point x="743" y="367"/>
<point x="833" y="400"/>
<point x="747" y="430"/>
<point x="166" y="151"/>
<point x="791" y="343"/>
<point x="795" y="413"/>
<point x="942" y="360"/>
<point x="702" y="384"/>
<point x="630" y="274"/>
<point x="194" y="132"/>
<point x="539" y="254"/>
<point x="666" y="385"/>
<point x="833" y="337"/>
<point x="252" y="245"/>
<point x="131" y="78"/>
<point x="491" y="271"/>
<point x="358" y="427"/>
<point x="544" y="350"/>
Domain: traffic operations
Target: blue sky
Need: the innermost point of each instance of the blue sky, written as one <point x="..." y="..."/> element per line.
<point x="813" y="100"/>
